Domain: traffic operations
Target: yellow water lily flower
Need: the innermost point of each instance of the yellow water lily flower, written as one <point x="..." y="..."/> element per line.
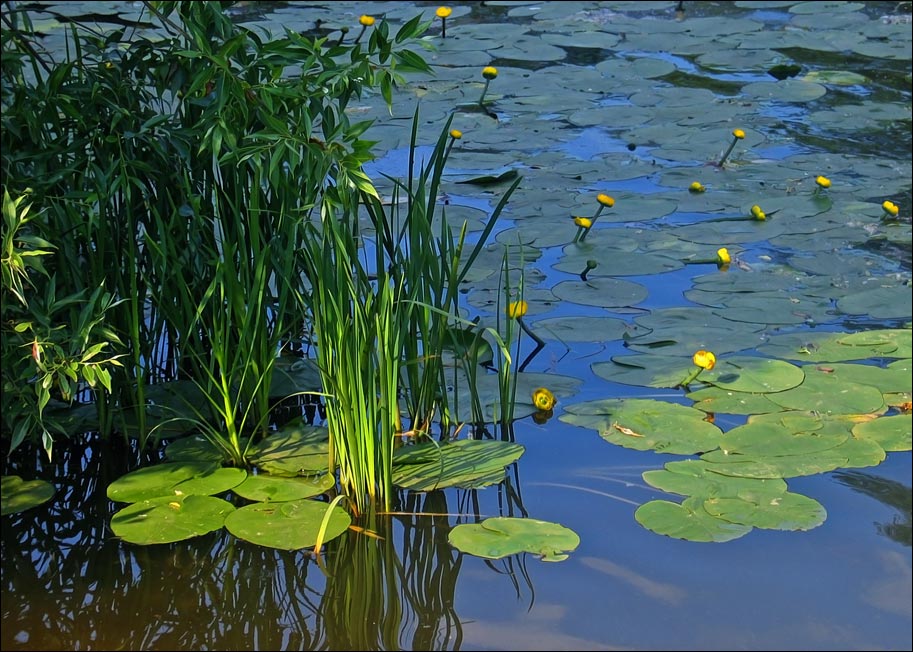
<point x="543" y="399"/>
<point x="757" y="213"/>
<point x="704" y="359"/>
<point x="517" y="309"/>
<point x="823" y="182"/>
<point x="366" y="20"/>
<point x="456" y="134"/>
<point x="583" y="222"/>
<point x="738" y="133"/>
<point x="890" y="208"/>
<point x="696" y="186"/>
<point x="722" y="256"/>
<point x="489" y="72"/>
<point x="443" y="12"/>
<point x="605" y="200"/>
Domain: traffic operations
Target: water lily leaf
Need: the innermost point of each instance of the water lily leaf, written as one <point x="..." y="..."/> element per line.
<point x="715" y="400"/>
<point x="828" y="393"/>
<point x="489" y="179"/>
<point x="294" y="375"/>
<point x="861" y="452"/>
<point x="193" y="448"/>
<point x="580" y="329"/>
<point x="682" y="331"/>
<point x="902" y="338"/>
<point x="288" y="525"/>
<point x="645" y="370"/>
<point x="167" y="519"/>
<point x="612" y="262"/>
<point x="498" y="537"/>
<point x="157" y="480"/>
<point x="836" y="77"/>
<point x="688" y="520"/>
<point x="879" y="303"/>
<point x="210" y="484"/>
<point x="693" y="478"/>
<point x="891" y="379"/>
<point x="758" y="375"/>
<point x="786" y="511"/>
<point x="769" y="439"/>
<point x="645" y="424"/>
<point x="266" y="488"/>
<point x="783" y="466"/>
<point x="602" y="292"/>
<point x="788" y="90"/>
<point x="892" y="433"/>
<point x="822" y="347"/>
<point x="20" y="495"/>
<point x="294" y="449"/>
<point x="465" y="463"/>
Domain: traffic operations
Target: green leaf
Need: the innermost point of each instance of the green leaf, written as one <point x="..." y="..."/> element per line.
<point x="688" y="520"/>
<point x="266" y="488"/>
<point x="291" y="525"/>
<point x="786" y="511"/>
<point x="498" y="537"/>
<point x="893" y="433"/>
<point x="759" y="375"/>
<point x="167" y="519"/>
<point x="20" y="495"/>
<point x="465" y="463"/>
<point x="158" y="480"/>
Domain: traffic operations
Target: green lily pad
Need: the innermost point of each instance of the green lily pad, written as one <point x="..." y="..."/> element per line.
<point x="193" y="448"/>
<point x="465" y="463"/>
<point x="715" y="400"/>
<point x="499" y="537"/>
<point x="829" y="393"/>
<point x="266" y="488"/>
<point x="770" y="466"/>
<point x="167" y="519"/>
<point x="602" y="292"/>
<point x="786" y="511"/>
<point x="688" y="520"/>
<point x="902" y="338"/>
<point x="288" y="525"/>
<point x="20" y="495"/>
<point x="580" y="329"/>
<point x="765" y="438"/>
<point x="694" y="478"/>
<point x="294" y="449"/>
<point x="645" y="370"/>
<point x="879" y="303"/>
<point x="822" y="347"/>
<point x="893" y="433"/>
<point x="158" y="480"/>
<point x="645" y="424"/>
<point x="758" y="375"/>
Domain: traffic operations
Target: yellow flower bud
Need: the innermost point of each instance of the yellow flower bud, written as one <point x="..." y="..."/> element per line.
<point x="704" y="359"/>
<point x="605" y="200"/>
<point x="456" y="134"/>
<point x="722" y="256"/>
<point x="583" y="222"/>
<point x="823" y="182"/>
<point x="489" y="72"/>
<point x="757" y="213"/>
<point x="696" y="186"/>
<point x="366" y="20"/>
<point x="517" y="309"/>
<point x="443" y="12"/>
<point x="890" y="208"/>
<point x="543" y="399"/>
<point x="738" y="133"/>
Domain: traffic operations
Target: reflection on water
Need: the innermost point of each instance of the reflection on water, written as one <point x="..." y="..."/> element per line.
<point x="891" y="493"/>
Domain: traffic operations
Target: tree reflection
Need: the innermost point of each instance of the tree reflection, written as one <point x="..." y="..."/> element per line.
<point x="891" y="493"/>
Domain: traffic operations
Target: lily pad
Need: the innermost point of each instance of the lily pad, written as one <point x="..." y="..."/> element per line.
<point x="158" y="480"/>
<point x="786" y="511"/>
<point x="267" y="488"/>
<point x="829" y="393"/>
<point x="893" y="433"/>
<point x="288" y="525"/>
<point x="748" y="374"/>
<point x="688" y="520"/>
<point x="694" y="478"/>
<point x="294" y="449"/>
<point x="20" y="495"/>
<point x="499" y="537"/>
<point x="167" y="519"/>
<point x="465" y="463"/>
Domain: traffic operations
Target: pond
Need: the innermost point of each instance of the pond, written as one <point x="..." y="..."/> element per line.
<point x="636" y="100"/>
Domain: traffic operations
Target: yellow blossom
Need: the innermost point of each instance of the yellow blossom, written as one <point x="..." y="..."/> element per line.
<point x="456" y="134"/>
<point x="543" y="399"/>
<point x="757" y="213"/>
<point x="696" y="186"/>
<point x="704" y="359"/>
<point x="890" y="208"/>
<point x="366" y="20"/>
<point x="517" y="309"/>
<point x="738" y="133"/>
<point x="489" y="72"/>
<point x="722" y="256"/>
<point x="583" y="222"/>
<point x="443" y="12"/>
<point x="605" y="200"/>
<point x="823" y="182"/>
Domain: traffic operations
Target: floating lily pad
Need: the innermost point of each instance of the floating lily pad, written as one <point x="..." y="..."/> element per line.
<point x="786" y="511"/>
<point x="266" y="488"/>
<point x="602" y="292"/>
<point x="645" y="424"/>
<point x="694" y="478"/>
<point x="158" y="480"/>
<point x="167" y="519"/>
<point x="465" y="463"/>
<point x="580" y="329"/>
<point x="770" y="466"/>
<point x="498" y="537"/>
<point x="294" y="449"/>
<point x="645" y="370"/>
<point x="823" y="347"/>
<point x="716" y="400"/>
<point x="20" y="495"/>
<point x="759" y="375"/>
<point x="764" y="438"/>
<point x="829" y="393"/>
<point x="688" y="520"/>
<point x="893" y="433"/>
<point x="288" y="525"/>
